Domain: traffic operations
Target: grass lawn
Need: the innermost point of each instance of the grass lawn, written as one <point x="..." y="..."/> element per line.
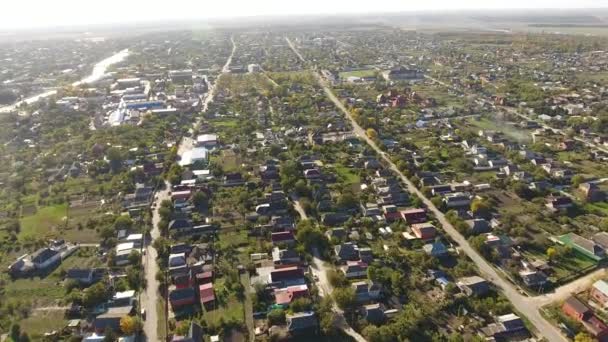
<point x="225" y="123"/>
<point x="233" y="309"/>
<point x="40" y="292"/>
<point x="49" y="290"/>
<point x="161" y="330"/>
<point x="572" y="265"/>
<point x="347" y="174"/>
<point x="358" y="73"/>
<point x="597" y="207"/>
<point x="233" y="239"/>
<point x="41" y="322"/>
<point x="43" y="222"/>
<point x="228" y="160"/>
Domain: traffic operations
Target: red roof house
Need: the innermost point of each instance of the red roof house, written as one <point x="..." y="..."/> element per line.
<point x="416" y="215"/>
<point x="286" y="295"/>
<point x="424" y="231"/>
<point x="206" y="295"/>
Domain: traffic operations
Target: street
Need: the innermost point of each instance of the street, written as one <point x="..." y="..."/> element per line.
<point x="525" y="305"/>
<point x="150" y="299"/>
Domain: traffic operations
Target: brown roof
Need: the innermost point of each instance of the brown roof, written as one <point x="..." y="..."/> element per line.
<point x="576" y="305"/>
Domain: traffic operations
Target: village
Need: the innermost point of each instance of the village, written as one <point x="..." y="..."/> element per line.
<point x="363" y="184"/>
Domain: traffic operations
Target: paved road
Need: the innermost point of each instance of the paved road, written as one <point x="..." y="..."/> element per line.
<point x="150" y="299"/>
<point x="523" y="304"/>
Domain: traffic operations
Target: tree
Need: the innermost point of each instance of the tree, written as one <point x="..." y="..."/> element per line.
<point x="130" y="325"/>
<point x="200" y="199"/>
<point x="95" y="295"/>
<point x="276" y="317"/>
<point x="345" y="297"/>
<point x="336" y="278"/>
<point x="123" y="222"/>
<point x="300" y="304"/>
<point x="577" y="180"/>
<point x="551" y="253"/>
<point x="134" y="257"/>
<point x="583" y="337"/>
<point x="371" y="133"/>
<point x="115" y="157"/>
<point x="15" y="331"/>
<point x="480" y="207"/>
<point x="311" y="237"/>
<point x="109" y="335"/>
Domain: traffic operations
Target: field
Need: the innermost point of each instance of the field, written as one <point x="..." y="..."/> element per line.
<point x="348" y="175"/>
<point x="43" y="321"/>
<point x="232" y="310"/>
<point x="358" y="73"/>
<point x="49" y="290"/>
<point x="45" y="221"/>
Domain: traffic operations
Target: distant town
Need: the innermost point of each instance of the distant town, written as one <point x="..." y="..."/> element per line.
<point x="322" y="182"/>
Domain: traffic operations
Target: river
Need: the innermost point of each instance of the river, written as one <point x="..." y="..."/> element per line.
<point x="99" y="70"/>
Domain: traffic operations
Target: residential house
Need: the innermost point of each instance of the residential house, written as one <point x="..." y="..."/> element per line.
<point x="45" y="258"/>
<point x="338" y="233"/>
<point x="285" y="296"/>
<point x="457" y="200"/>
<point x="599" y="292"/>
<point x="533" y="278"/>
<point x="578" y="311"/>
<point x="436" y="249"/>
<point x="373" y="313"/>
<point x="415" y="215"/>
<point x="366" y="291"/>
<point x="424" y="231"/>
<point x="354" y="269"/>
<point x="473" y="286"/>
<point x="207" y="296"/>
<point x="285" y="256"/>
<point x="592" y="192"/>
<point x="84" y="276"/>
<point x="479" y="226"/>
<point x="347" y="251"/>
<point x="111" y="319"/>
<point x="282" y="238"/>
<point x="182" y="298"/>
<point x="302" y="322"/>
<point x="365" y="254"/>
<point x="505" y="327"/>
<point x="180" y="226"/>
<point x="286" y="274"/>
<point x="557" y="203"/>
<point x="584" y="246"/>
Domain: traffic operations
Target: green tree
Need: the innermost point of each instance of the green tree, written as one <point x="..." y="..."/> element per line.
<point x="345" y="298"/>
<point x="577" y="180"/>
<point x="123" y="222"/>
<point x="276" y="317"/>
<point x="583" y="337"/>
<point x="96" y="294"/>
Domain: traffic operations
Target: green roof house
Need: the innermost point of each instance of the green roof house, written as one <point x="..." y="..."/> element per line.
<point x="583" y="246"/>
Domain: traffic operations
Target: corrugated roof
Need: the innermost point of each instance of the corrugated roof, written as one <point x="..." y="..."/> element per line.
<point x="602" y="286"/>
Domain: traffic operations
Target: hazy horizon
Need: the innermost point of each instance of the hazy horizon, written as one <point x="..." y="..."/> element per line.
<point x="29" y="14"/>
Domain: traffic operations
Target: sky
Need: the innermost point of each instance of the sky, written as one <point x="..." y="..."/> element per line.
<point x="17" y="14"/>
